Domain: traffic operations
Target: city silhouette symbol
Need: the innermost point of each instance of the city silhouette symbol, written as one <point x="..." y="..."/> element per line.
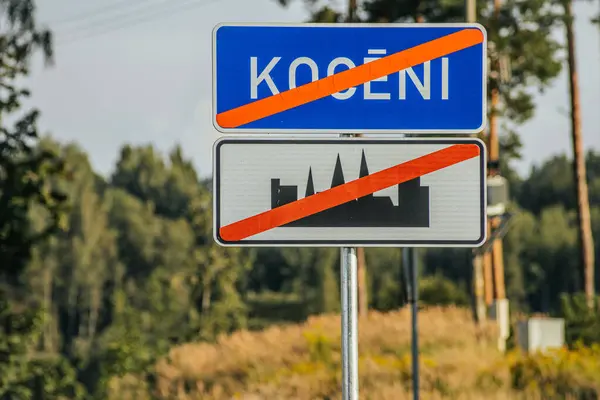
<point x="368" y="211"/>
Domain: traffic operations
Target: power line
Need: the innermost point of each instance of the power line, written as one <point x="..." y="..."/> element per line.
<point x="140" y="8"/>
<point x="140" y="17"/>
<point x="95" y="12"/>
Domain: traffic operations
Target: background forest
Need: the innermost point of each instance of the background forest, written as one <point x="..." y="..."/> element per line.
<point x="102" y="275"/>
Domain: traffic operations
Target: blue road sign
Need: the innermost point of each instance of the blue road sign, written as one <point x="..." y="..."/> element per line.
<point x="349" y="78"/>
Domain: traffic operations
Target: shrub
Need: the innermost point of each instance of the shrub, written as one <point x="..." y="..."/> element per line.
<point x="303" y="361"/>
<point x="562" y="373"/>
<point x="582" y="323"/>
<point x="438" y="290"/>
<point x="267" y="308"/>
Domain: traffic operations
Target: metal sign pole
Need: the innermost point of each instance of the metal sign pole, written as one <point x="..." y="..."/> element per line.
<point x="410" y="272"/>
<point x="349" y="296"/>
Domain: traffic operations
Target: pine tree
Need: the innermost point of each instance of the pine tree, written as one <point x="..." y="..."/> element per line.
<point x="521" y="32"/>
<point x="586" y="241"/>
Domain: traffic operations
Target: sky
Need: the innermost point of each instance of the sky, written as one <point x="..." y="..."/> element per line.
<point x="124" y="73"/>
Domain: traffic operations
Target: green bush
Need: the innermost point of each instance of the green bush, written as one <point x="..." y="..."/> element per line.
<point x="559" y="374"/>
<point x="26" y="373"/>
<point x="439" y="290"/>
<point x="268" y="308"/>
<point x="582" y="323"/>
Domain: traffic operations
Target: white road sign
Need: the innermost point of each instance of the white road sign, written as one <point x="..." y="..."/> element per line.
<point x="349" y="192"/>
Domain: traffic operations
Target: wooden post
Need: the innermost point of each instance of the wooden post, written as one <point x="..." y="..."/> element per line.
<point x="498" y="263"/>
<point x="494" y="157"/>
<point x="488" y="279"/>
<point x="479" y="289"/>
<point x="480" y="278"/>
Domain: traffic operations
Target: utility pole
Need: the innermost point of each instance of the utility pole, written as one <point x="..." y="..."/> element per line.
<point x="479" y="281"/>
<point x="488" y="279"/>
<point x="586" y="241"/>
<point x="494" y="157"/>
<point x="498" y="73"/>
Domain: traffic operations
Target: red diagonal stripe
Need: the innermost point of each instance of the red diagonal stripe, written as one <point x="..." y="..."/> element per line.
<point x="349" y="191"/>
<point x="352" y="77"/>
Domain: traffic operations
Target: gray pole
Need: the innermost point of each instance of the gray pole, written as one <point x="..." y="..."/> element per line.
<point x="410" y="272"/>
<point x="349" y="323"/>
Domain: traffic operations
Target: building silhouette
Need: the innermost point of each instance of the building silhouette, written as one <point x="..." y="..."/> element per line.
<point x="368" y="211"/>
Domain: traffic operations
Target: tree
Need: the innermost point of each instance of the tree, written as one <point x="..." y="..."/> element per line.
<point x="438" y="290"/>
<point x="25" y="172"/>
<point x="586" y="241"/>
<point x="549" y="184"/>
<point x="22" y="375"/>
<point x="70" y="274"/>
<point x="541" y="245"/>
<point x="314" y="280"/>
<point x="386" y="288"/>
<point x="516" y="244"/>
<point x="521" y="31"/>
<point x="552" y="183"/>
<point x="551" y="258"/>
<point x="172" y="192"/>
<point x="28" y="176"/>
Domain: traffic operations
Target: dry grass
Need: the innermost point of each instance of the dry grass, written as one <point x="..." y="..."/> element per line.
<point x="303" y="361"/>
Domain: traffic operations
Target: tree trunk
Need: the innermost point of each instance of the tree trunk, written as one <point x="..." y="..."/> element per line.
<point x="586" y="242"/>
<point x="352" y="6"/>
<point x="95" y="300"/>
<point x="48" y="306"/>
<point x="487" y="271"/>
<point x="206" y="295"/>
<point x="498" y="263"/>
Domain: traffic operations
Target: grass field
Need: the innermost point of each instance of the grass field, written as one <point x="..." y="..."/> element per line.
<point x="458" y="361"/>
<point x="303" y="361"/>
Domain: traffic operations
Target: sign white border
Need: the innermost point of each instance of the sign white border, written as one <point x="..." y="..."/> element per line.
<point x="353" y="243"/>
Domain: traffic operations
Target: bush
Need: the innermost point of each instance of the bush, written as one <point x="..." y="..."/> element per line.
<point x="582" y="323"/>
<point x="303" y="361"/>
<point x="439" y="290"/>
<point x="267" y="308"/>
<point x="24" y="372"/>
<point x="562" y="373"/>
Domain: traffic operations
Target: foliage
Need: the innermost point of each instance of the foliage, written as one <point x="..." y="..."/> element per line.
<point x="386" y="288"/>
<point x="437" y="290"/>
<point x="552" y="184"/>
<point x="24" y="172"/>
<point x="559" y="373"/>
<point x="303" y="361"/>
<point x="24" y="372"/>
<point x="269" y="308"/>
<point x="28" y="176"/>
<point x="124" y="283"/>
<point x="104" y="289"/>
<point x="582" y="323"/>
<point x="520" y="31"/>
